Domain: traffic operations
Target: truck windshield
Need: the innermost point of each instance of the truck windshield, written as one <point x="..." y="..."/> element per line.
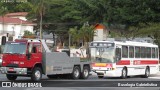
<point x="15" y="48"/>
<point x="102" y="55"/>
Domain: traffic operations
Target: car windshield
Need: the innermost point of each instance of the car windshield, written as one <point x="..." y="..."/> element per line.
<point x="15" y="48"/>
<point x="102" y="55"/>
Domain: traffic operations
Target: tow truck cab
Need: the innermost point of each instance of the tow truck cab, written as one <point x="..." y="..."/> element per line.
<point x="21" y="56"/>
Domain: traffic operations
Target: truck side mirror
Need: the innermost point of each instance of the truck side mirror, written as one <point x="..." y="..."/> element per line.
<point x="28" y="54"/>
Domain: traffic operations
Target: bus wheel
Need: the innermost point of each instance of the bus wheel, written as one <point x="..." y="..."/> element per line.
<point x="11" y="77"/>
<point x="147" y="72"/>
<point x="124" y="73"/>
<point x="85" y="72"/>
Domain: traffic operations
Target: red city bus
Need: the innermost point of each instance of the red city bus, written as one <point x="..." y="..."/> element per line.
<point x="122" y="59"/>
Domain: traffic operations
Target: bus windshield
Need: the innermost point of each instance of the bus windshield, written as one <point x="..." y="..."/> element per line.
<point x="102" y="54"/>
<point x="15" y="48"/>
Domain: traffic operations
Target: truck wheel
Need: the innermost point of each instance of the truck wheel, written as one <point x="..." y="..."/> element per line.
<point x="124" y="73"/>
<point x="36" y="74"/>
<point x="76" y="73"/>
<point x="85" y="72"/>
<point x="11" y="77"/>
<point x="147" y="72"/>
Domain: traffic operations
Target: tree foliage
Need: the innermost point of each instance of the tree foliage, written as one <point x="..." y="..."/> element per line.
<point x="126" y="18"/>
<point x="82" y="35"/>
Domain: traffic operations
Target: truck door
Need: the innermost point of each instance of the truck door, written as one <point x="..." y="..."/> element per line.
<point x="34" y="54"/>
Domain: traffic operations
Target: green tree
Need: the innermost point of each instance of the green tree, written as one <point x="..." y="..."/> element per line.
<point x="38" y="9"/>
<point x="3" y="11"/>
<point x="28" y="34"/>
<point x="84" y="34"/>
<point x="126" y="17"/>
<point x="152" y="31"/>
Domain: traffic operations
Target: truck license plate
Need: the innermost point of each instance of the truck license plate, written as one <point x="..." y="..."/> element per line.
<point x="11" y="69"/>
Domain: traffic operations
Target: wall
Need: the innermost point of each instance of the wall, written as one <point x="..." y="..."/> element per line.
<point x="100" y="34"/>
<point x="14" y="29"/>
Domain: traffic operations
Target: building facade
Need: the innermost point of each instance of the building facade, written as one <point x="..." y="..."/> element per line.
<point x="14" y="25"/>
<point x="101" y="33"/>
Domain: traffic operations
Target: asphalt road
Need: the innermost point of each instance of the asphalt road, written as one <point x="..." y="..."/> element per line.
<point x="92" y="83"/>
<point x="92" y="77"/>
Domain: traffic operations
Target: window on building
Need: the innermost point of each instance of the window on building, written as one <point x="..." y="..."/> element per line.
<point x="131" y="52"/>
<point x="125" y="51"/>
<point x="137" y="52"/>
<point x="148" y="52"/>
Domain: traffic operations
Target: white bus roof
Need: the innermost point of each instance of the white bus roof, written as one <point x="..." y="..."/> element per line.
<point x="130" y="43"/>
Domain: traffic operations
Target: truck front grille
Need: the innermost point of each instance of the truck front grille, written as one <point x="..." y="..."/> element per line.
<point x="13" y="65"/>
<point x="11" y="71"/>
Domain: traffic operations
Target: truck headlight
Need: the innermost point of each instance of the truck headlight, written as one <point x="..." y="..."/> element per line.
<point x="22" y="70"/>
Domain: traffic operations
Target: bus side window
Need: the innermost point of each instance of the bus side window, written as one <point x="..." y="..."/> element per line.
<point x="143" y="52"/>
<point x="156" y="56"/>
<point x="153" y="53"/>
<point x="118" y="54"/>
<point x="148" y="50"/>
<point x="137" y="52"/>
<point x="131" y="52"/>
<point x="125" y="51"/>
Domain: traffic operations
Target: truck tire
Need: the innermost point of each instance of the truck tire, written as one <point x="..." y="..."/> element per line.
<point x="147" y="72"/>
<point x="124" y="73"/>
<point x="85" y="72"/>
<point x="11" y="77"/>
<point x="75" y="73"/>
<point x="36" y="74"/>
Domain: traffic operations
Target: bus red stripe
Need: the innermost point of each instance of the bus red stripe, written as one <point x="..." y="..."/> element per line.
<point x="142" y="62"/>
<point x="123" y="62"/>
<point x="137" y="62"/>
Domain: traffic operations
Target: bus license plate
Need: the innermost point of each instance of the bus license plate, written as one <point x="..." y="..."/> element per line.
<point x="100" y="72"/>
